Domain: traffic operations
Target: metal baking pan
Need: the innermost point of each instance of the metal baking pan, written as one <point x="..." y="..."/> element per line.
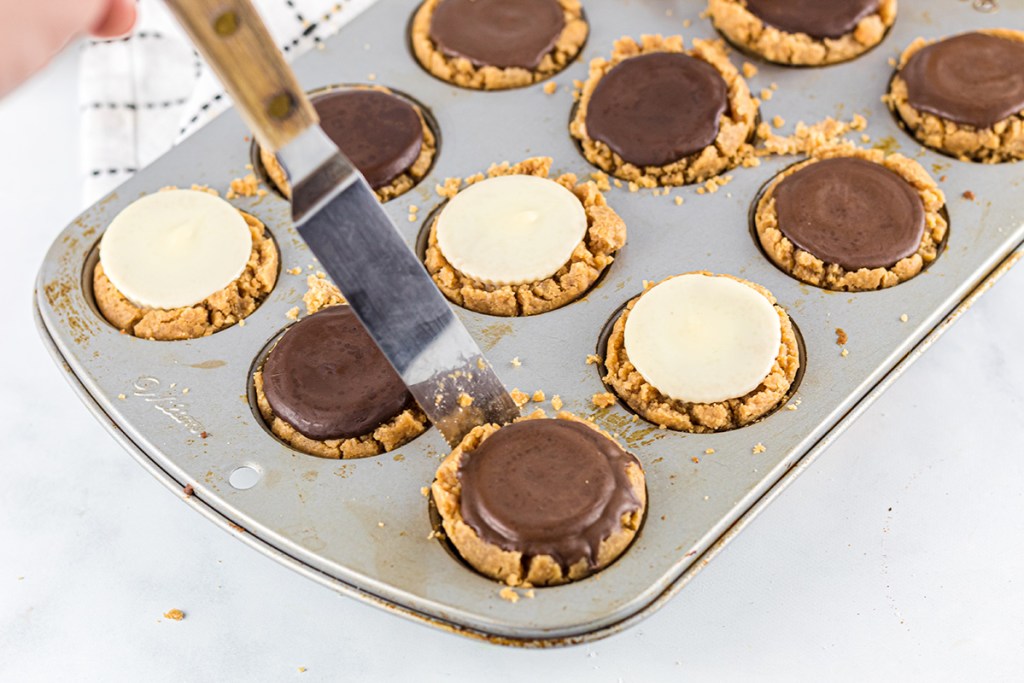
<point x="361" y="527"/>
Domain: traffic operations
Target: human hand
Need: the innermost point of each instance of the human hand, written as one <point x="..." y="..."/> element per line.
<point x="33" y="31"/>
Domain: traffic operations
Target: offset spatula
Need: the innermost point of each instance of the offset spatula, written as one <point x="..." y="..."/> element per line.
<point x="344" y="225"/>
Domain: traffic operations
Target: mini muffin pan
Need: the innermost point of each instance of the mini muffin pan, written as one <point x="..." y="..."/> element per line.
<point x="363" y="527"/>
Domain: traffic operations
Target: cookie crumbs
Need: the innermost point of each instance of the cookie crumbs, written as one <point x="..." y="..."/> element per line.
<point x="766" y="94"/>
<point x="449" y="188"/>
<point x="865" y="137"/>
<point x="530" y="594"/>
<point x="247" y="186"/>
<point x="538" y="396"/>
<point x="805" y="139"/>
<point x="749" y="70"/>
<point x="695" y="460"/>
<point x="174" y="615"/>
<point x="380" y="524"/>
<point x="520" y="398"/>
<point x="601" y="179"/>
<point x="412" y="218"/>
<point x="841" y="336"/>
<point x="371" y="77"/>
<point x="633" y="187"/>
<point x="969" y="196"/>
<point x="593" y="359"/>
<point x="425" y="491"/>
<point x="302" y="669"/>
<point x="508" y="594"/>
<point x="556" y="402"/>
<point x="791" y="407"/>
<point x="678" y="201"/>
<point x="710" y="451"/>
<point x="185" y="390"/>
<point x="617" y="183"/>
<point x="904" y="318"/>
<point x="297" y="270"/>
<point x="603" y="400"/>
<point x="465" y="400"/>
<point x="516" y="362"/>
<point x="759" y="448"/>
<point x="293" y="313"/>
<point x="687" y="23"/>
<point x="241" y="323"/>
<point x="844" y="353"/>
<point x="778" y="121"/>
<point x="550" y="87"/>
<point x="121" y="396"/>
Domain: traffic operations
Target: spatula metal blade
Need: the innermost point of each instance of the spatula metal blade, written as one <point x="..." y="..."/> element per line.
<point x="359" y="247"/>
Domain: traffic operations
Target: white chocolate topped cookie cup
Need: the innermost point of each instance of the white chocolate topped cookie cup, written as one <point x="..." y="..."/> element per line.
<point x="511" y="230"/>
<point x="175" y="248"/>
<point x="703" y="339"/>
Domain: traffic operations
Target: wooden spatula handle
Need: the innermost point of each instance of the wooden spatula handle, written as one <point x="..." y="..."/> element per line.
<point x="232" y="37"/>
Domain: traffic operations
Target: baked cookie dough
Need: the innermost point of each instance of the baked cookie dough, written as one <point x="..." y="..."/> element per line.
<point x="804" y="32"/>
<point x="704" y="342"/>
<point x="964" y="95"/>
<point x="541" y="501"/>
<point x="862" y="221"/>
<point x="658" y="114"/>
<point x="170" y="234"/>
<point x="326" y="390"/>
<point x="604" y="233"/>
<point x="385" y="136"/>
<point x="495" y="44"/>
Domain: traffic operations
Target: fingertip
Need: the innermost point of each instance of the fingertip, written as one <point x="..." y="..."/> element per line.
<point x="118" y="20"/>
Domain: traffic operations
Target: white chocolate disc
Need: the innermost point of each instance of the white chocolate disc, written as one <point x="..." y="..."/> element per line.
<point x="174" y="248"/>
<point x="703" y="339"/>
<point x="511" y="230"/>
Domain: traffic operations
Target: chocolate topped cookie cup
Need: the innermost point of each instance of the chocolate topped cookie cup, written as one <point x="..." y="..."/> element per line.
<point x="495" y="44"/>
<point x="658" y="114"/>
<point x="804" y="32"/>
<point x="156" y="275"/>
<point x="964" y="95"/>
<point x="326" y="389"/>
<point x="386" y="136"/>
<point x="574" y="270"/>
<point x="852" y="220"/>
<point x="541" y="501"/>
<point x="702" y="353"/>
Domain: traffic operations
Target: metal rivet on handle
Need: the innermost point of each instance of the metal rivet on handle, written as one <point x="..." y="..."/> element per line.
<point x="281" y="106"/>
<point x="226" y="24"/>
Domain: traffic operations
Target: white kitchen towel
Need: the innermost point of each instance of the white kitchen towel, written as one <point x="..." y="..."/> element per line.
<point x="142" y="94"/>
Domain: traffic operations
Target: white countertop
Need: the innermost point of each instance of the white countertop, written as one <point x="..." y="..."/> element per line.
<point x="898" y="555"/>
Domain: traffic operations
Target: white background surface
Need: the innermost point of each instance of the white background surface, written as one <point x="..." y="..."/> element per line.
<point x="898" y="555"/>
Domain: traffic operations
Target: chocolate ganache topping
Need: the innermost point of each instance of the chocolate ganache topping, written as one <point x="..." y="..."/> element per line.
<point x="658" y="108"/>
<point x="974" y="78"/>
<point x="850" y="212"/>
<point x="380" y="133"/>
<point x="498" y="32"/>
<point x="817" y="18"/>
<point x="547" y="487"/>
<point x="329" y="380"/>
